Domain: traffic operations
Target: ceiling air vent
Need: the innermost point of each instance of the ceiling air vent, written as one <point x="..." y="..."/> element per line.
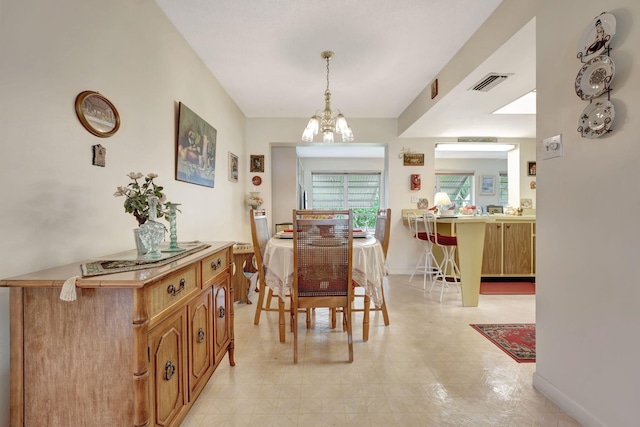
<point x="489" y="81"/>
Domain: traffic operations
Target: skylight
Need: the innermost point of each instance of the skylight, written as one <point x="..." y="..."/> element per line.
<point x="526" y="104"/>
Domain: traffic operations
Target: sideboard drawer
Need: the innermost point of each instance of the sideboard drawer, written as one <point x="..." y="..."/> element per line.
<point x="213" y="265"/>
<point x="172" y="289"/>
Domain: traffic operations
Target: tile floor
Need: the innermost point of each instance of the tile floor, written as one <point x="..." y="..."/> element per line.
<point x="427" y="368"/>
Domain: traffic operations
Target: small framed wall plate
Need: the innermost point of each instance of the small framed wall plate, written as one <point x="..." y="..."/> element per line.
<point x="596" y="119"/>
<point x="594" y="77"/>
<point x="597" y="36"/>
<point x="97" y="114"/>
<point x="256" y="180"/>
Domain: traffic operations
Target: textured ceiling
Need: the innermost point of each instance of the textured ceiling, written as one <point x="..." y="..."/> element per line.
<point x="266" y="54"/>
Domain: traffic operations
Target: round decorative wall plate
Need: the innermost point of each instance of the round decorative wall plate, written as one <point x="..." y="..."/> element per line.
<point x="594" y="77"/>
<point x="596" y="36"/>
<point x="97" y="114"/>
<point x="596" y="119"/>
<point x="256" y="180"/>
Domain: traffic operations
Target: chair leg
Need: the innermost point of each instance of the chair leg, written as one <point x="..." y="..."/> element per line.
<point x="294" y="324"/>
<point x="455" y="269"/>
<point x="281" y="327"/>
<point x="269" y="298"/>
<point x="418" y="267"/>
<point x="383" y="307"/>
<point x="439" y="273"/>
<point x="449" y="264"/>
<point x="333" y="317"/>
<point x="365" y="320"/>
<point x="348" y="320"/>
<point x="256" y="319"/>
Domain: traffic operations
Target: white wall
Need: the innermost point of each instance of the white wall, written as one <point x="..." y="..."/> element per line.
<point x="284" y="184"/>
<point x="587" y="259"/>
<point x="58" y="208"/>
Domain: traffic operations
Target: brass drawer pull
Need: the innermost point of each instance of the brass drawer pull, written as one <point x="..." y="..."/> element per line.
<point x="173" y="291"/>
<point x="216" y="264"/>
<point x="200" y="335"/>
<point x="221" y="312"/>
<point x="169" y="370"/>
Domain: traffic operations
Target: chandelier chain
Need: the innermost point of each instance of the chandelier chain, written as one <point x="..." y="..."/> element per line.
<point x="328" y="58"/>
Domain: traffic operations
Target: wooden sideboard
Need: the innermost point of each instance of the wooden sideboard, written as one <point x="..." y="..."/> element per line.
<point x="135" y="348"/>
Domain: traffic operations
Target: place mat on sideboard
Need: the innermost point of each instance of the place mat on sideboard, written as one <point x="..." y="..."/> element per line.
<point x="130" y="260"/>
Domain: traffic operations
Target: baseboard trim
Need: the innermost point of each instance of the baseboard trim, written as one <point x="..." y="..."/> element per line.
<point x="568" y="405"/>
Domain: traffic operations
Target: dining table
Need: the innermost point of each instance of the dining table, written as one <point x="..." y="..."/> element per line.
<point x="367" y="265"/>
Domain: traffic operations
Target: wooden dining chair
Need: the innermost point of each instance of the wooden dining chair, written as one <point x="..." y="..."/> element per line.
<point x="322" y="251"/>
<point x="382" y="233"/>
<point x="260" y="236"/>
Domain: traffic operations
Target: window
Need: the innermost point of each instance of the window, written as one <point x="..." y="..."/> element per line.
<point x="458" y="185"/>
<point x="503" y="188"/>
<point x="357" y="191"/>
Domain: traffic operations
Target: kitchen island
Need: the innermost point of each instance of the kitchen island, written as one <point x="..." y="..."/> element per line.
<point x="488" y="246"/>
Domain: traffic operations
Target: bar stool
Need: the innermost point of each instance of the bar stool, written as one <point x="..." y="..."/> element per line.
<point x="448" y="244"/>
<point x="427" y="263"/>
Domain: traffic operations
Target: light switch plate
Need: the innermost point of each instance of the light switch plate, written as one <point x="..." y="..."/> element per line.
<point x="414" y="199"/>
<point x="552" y="147"/>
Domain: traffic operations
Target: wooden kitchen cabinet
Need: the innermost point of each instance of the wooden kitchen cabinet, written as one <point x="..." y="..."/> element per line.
<point x="492" y="253"/>
<point x="135" y="349"/>
<point x="518" y="248"/>
<point x="509" y="248"/>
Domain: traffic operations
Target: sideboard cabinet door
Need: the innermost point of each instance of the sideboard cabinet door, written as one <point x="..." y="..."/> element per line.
<point x="200" y="342"/>
<point x="168" y="363"/>
<point x="221" y="315"/>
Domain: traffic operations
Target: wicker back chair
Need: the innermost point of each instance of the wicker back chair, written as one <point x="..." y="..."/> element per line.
<point x="260" y="236"/>
<point x="322" y="251"/>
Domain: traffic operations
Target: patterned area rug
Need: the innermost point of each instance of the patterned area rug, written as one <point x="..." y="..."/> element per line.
<point x="518" y="340"/>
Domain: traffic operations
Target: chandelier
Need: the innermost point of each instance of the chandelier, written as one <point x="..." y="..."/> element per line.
<point x="328" y="121"/>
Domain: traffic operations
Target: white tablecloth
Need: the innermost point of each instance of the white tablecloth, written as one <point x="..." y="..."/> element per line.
<point x="368" y="266"/>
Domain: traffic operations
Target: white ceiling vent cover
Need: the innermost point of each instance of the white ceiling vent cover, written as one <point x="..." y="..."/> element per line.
<point x="489" y="81"/>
